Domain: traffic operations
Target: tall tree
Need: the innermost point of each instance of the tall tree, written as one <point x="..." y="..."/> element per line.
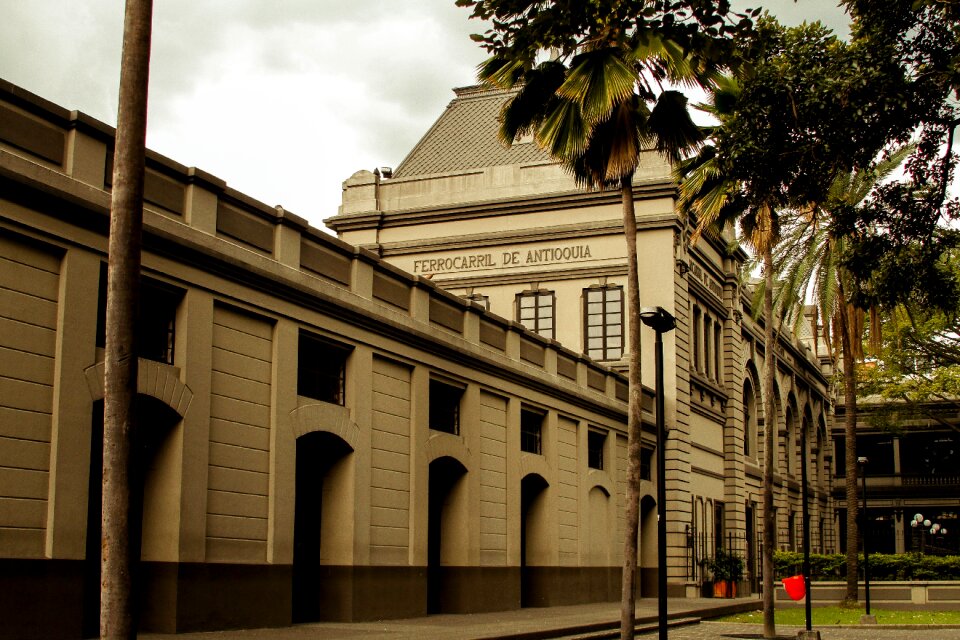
<point x="805" y="110"/>
<point x="810" y="264"/>
<point x="595" y="105"/>
<point x="120" y="357"/>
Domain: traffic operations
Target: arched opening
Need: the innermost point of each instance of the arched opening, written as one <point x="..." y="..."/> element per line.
<point x="532" y="537"/>
<point x="597" y="548"/>
<point x="150" y="475"/>
<point x="446" y="529"/>
<point x="318" y="524"/>
<point x="790" y="443"/>
<point x="648" y="546"/>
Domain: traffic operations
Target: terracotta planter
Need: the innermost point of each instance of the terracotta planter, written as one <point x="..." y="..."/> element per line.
<point x="724" y="589"/>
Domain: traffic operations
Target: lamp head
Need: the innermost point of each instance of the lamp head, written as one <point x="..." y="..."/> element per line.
<point x="862" y="460"/>
<point x="658" y="319"/>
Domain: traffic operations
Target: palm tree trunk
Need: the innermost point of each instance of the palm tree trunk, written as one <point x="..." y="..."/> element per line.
<point x="120" y="359"/>
<point x="850" y="440"/>
<point x="769" y="445"/>
<point x="635" y="403"/>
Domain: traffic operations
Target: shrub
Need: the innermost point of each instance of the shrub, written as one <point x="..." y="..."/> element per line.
<point x="883" y="566"/>
<point x="726" y="566"/>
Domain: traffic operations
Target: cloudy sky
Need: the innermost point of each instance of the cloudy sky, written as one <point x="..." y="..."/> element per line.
<point x="283" y="99"/>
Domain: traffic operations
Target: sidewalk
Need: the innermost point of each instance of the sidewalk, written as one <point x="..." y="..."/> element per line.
<point x="520" y="624"/>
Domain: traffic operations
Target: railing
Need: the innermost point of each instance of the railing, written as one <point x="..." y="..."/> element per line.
<point x="701" y="547"/>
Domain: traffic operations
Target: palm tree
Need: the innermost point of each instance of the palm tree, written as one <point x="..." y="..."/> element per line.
<point x="716" y="199"/>
<point x="810" y="265"/>
<point x="120" y="359"/>
<point x="591" y="109"/>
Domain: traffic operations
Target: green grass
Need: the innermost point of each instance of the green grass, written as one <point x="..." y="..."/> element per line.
<point x="822" y="616"/>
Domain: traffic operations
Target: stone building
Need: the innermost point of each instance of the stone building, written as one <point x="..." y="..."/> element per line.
<point x="508" y="229"/>
<point x="322" y="434"/>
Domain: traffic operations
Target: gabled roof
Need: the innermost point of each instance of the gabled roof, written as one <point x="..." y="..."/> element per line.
<point x="465" y="137"/>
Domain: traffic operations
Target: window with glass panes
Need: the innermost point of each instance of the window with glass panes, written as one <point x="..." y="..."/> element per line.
<point x="603" y="323"/>
<point x="535" y="311"/>
<point x="531" y="428"/>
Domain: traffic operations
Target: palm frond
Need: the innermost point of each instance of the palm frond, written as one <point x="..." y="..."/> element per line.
<point x="501" y="72"/>
<point x="598" y="80"/>
<point x="563" y="132"/>
<point x="614" y="148"/>
<point x="523" y="113"/>
<point x="673" y="130"/>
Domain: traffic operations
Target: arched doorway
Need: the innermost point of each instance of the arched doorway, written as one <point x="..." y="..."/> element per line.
<point x="148" y="474"/>
<point x="446" y="528"/>
<point x="648" y="546"/>
<point x="321" y="480"/>
<point x="532" y="537"/>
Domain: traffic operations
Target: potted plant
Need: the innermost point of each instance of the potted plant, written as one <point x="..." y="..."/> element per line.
<point x="727" y="570"/>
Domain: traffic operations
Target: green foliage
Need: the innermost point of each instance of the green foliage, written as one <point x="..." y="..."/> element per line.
<point x="883" y="566"/>
<point x="726" y="566"/>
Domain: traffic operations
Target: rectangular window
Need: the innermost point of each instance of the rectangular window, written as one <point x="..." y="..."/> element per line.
<point x="646" y="463"/>
<point x="535" y="311"/>
<point x="596" y="440"/>
<point x="531" y="430"/>
<point x="445" y="407"/>
<point x="840" y="457"/>
<point x="717" y="351"/>
<point x="321" y="369"/>
<point x="707" y="335"/>
<point x="719" y="526"/>
<point x="603" y="323"/>
<point x="156" y="320"/>
<point x="792" y="530"/>
<point x="697" y="320"/>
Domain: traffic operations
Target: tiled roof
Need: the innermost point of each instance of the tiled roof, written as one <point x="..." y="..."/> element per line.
<point x="465" y="137"/>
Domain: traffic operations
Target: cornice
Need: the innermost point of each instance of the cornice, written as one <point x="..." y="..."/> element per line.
<point x="523" y="204"/>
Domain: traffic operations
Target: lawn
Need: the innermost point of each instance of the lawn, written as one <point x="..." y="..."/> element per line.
<point x="823" y="616"/>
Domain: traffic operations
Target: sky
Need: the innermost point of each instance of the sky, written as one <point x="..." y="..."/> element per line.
<point x="282" y="99"/>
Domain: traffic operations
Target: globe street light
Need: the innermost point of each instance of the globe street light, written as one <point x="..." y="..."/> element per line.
<point x="660" y="320"/>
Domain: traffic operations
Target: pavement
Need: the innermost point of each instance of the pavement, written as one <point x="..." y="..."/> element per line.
<point x="689" y="620"/>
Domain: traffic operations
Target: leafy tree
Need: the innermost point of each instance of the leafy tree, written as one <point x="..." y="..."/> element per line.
<point x="805" y="109"/>
<point x="918" y="366"/>
<point x="899" y="236"/>
<point x="594" y="105"/>
<point x="120" y="356"/>
<point x="810" y="266"/>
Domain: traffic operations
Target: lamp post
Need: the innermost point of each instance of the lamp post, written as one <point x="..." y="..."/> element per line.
<point x="660" y="320"/>
<point x="866" y="618"/>
<point x="805" y="506"/>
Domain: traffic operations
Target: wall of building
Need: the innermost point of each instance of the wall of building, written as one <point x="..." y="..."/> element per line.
<point x="496" y="234"/>
<point x="241" y="473"/>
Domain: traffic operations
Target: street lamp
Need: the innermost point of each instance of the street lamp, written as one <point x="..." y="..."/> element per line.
<point x="867" y="618"/>
<point x="924" y="525"/>
<point x="660" y="320"/>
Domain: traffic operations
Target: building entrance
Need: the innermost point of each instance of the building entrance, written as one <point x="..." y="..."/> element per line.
<point x="445" y="528"/>
<point x="320" y="465"/>
<point x="155" y="421"/>
<point x="532" y="537"/>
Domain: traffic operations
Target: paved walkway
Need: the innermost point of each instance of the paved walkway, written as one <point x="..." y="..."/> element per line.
<point x="588" y="621"/>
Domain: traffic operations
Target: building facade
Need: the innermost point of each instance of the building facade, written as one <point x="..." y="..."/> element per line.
<point x="322" y="435"/>
<point x="911" y="470"/>
<point x="508" y="229"/>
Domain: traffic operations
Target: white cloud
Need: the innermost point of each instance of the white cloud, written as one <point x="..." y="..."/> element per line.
<point x="283" y="100"/>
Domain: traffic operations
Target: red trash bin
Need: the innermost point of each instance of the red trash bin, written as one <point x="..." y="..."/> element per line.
<point x="795" y="587"/>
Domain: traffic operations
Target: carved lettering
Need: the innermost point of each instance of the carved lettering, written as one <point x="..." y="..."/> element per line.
<point x="472" y="262"/>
